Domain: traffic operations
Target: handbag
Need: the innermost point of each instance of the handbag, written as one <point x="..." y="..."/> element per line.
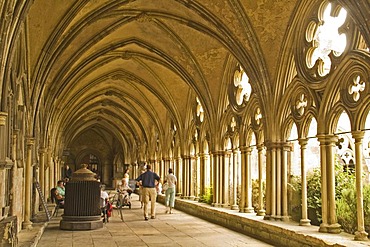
<point x="165" y="186"/>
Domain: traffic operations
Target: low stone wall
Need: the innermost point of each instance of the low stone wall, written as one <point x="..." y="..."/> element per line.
<point x="257" y="228"/>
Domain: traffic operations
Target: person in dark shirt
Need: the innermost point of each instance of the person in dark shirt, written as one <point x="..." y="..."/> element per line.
<point x="148" y="180"/>
<point x="68" y="172"/>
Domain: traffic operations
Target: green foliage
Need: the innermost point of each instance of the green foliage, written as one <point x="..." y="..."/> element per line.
<point x="347" y="208"/>
<point x="255" y="194"/>
<point x="314" y="192"/>
<point x="208" y="196"/>
<point x="295" y="196"/>
<point x="344" y="194"/>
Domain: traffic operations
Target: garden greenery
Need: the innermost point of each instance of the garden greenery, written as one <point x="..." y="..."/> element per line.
<point x="345" y="195"/>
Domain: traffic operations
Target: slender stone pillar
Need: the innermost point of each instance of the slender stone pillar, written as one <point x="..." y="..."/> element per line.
<point x="243" y="191"/>
<point x="185" y="176"/>
<point x="14" y="171"/>
<point x="234" y="205"/>
<point x="202" y="174"/>
<point x="324" y="195"/>
<point x="192" y="181"/>
<point x="284" y="180"/>
<point x="268" y="181"/>
<point x="360" y="234"/>
<point x="52" y="182"/>
<point x="279" y="175"/>
<point x="261" y="211"/>
<point x="248" y="182"/>
<point x="179" y="174"/>
<point x="216" y="182"/>
<point x="304" y="218"/>
<point x="333" y="227"/>
<point x="329" y="221"/>
<point x="225" y="176"/>
<point x="42" y="152"/>
<point x="27" y="224"/>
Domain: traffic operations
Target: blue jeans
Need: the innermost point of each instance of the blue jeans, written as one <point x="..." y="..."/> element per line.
<point x="170" y="197"/>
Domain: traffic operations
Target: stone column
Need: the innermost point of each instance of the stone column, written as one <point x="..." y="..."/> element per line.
<point x="248" y="182"/>
<point x="234" y="205"/>
<point x="14" y="172"/>
<point x="360" y="234"/>
<point x="278" y="178"/>
<point x="244" y="188"/>
<point x="52" y="182"/>
<point x="185" y="177"/>
<point x="225" y="176"/>
<point x="304" y="219"/>
<point x="27" y="224"/>
<point x="216" y="182"/>
<point x="268" y="181"/>
<point x="42" y="152"/>
<point x="202" y="174"/>
<point x="179" y="172"/>
<point x="284" y="180"/>
<point x="192" y="179"/>
<point x="329" y="222"/>
<point x="261" y="211"/>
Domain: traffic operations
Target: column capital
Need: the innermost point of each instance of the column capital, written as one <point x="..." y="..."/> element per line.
<point x="3" y="116"/>
<point x="260" y="147"/>
<point x="42" y="150"/>
<point x="358" y="134"/>
<point x="220" y="153"/>
<point x="327" y="139"/>
<point x="245" y="149"/>
<point x="30" y="141"/>
<point x="303" y="141"/>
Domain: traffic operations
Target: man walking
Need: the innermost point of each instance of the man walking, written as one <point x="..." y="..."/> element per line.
<point x="147" y="180"/>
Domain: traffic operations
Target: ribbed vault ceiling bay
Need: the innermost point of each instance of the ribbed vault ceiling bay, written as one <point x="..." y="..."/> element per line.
<point x="126" y="67"/>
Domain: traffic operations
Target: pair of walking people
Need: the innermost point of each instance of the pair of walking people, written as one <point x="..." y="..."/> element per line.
<point x="148" y="181"/>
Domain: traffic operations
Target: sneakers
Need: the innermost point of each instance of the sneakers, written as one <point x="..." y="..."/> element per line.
<point x="171" y="212"/>
<point x="153" y="217"/>
<point x="146" y="218"/>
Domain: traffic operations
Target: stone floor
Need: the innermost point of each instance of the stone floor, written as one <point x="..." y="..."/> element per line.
<point x="178" y="229"/>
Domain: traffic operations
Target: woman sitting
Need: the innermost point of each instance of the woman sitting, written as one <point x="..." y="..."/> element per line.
<point x="57" y="198"/>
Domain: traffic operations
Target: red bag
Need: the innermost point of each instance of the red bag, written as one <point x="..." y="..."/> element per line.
<point x="109" y="209"/>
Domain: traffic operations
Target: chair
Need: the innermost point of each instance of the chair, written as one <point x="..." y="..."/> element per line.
<point x="58" y="203"/>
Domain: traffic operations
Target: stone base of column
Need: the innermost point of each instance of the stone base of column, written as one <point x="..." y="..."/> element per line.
<point x="216" y="205"/>
<point x="191" y="198"/>
<point x="332" y="228"/>
<point x="234" y="207"/>
<point x="266" y="217"/>
<point x="81" y="223"/>
<point x="248" y="210"/>
<point x="262" y="212"/>
<point x="323" y="227"/>
<point x="305" y="222"/>
<point x="285" y="218"/>
<point x="361" y="236"/>
<point x="27" y="225"/>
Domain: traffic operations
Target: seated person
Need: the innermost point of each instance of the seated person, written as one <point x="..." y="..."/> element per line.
<point x="61" y="189"/>
<point x="57" y="198"/>
<point x="124" y="192"/>
<point x="124" y="188"/>
<point x="103" y="200"/>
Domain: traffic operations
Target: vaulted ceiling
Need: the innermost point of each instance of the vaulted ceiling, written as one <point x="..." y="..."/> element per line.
<point x="128" y="67"/>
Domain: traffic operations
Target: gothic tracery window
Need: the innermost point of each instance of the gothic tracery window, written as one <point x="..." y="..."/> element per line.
<point x="200" y="111"/>
<point x="325" y="38"/>
<point x="356" y="87"/>
<point x="243" y="88"/>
